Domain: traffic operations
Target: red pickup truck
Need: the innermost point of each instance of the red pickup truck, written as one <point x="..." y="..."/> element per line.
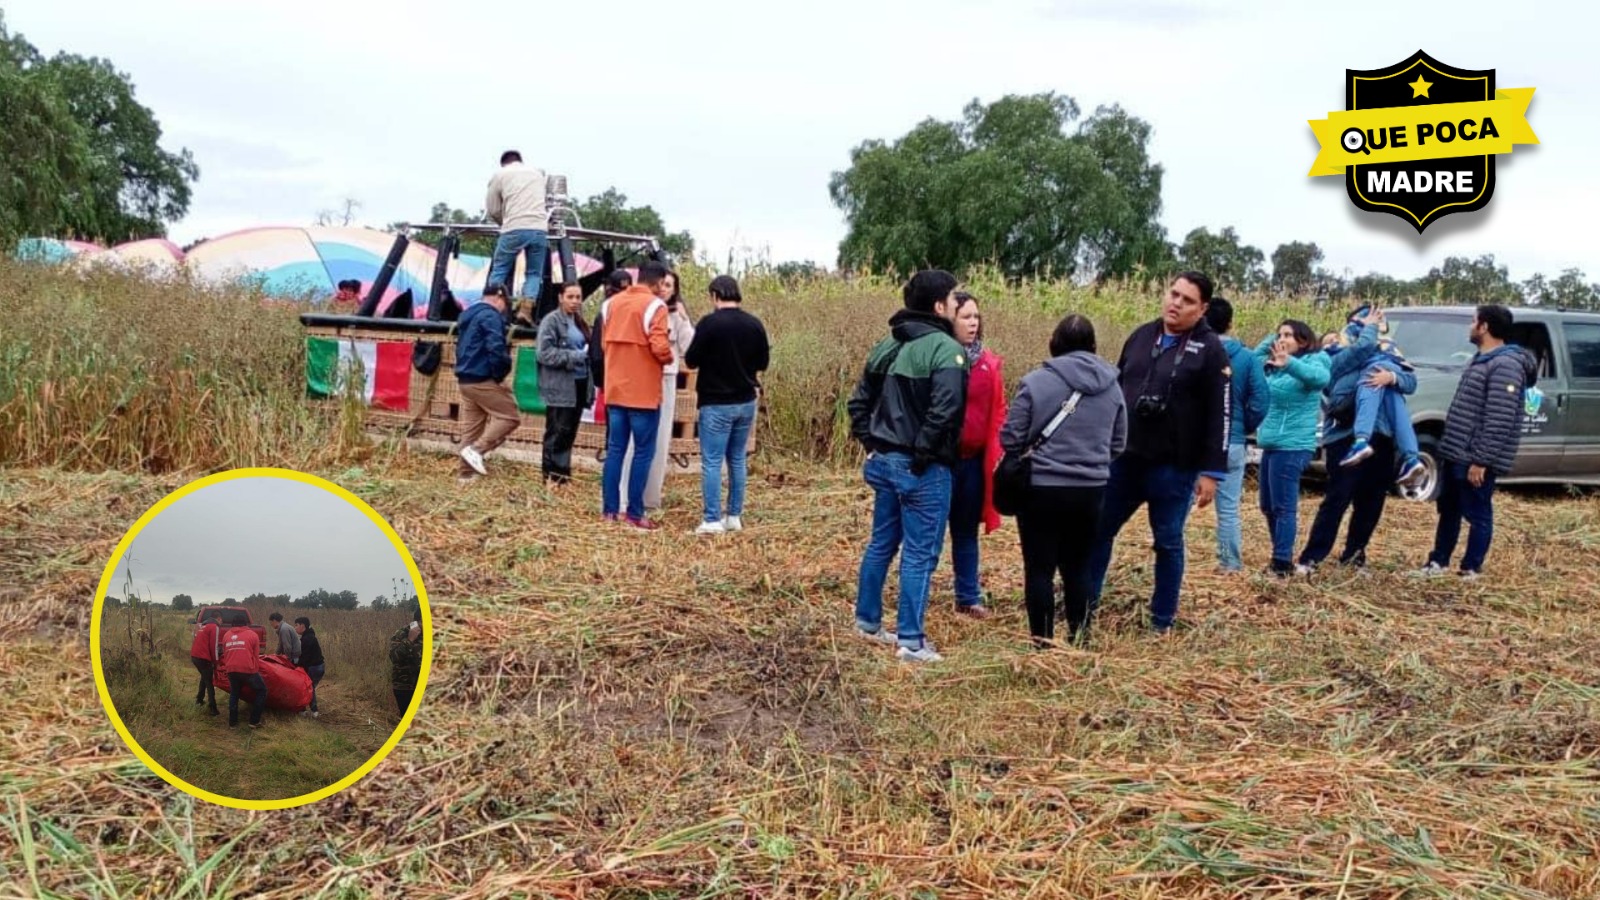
<point x="231" y="617"/>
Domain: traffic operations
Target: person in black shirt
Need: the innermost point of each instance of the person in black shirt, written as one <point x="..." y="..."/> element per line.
<point x="730" y="350"/>
<point x="310" y="659"/>
<point x="1176" y="380"/>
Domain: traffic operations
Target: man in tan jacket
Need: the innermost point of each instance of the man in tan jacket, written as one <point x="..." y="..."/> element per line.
<point x="516" y="202"/>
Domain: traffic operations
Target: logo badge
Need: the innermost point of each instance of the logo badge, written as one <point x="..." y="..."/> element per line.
<point x="1418" y="139"/>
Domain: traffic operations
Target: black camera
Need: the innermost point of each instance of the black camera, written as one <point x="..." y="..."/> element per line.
<point x="1150" y="407"/>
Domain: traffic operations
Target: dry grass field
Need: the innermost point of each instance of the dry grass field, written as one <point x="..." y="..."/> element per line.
<point x="613" y="714"/>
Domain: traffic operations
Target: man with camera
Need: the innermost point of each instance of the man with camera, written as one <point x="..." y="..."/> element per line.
<point x="1176" y="379"/>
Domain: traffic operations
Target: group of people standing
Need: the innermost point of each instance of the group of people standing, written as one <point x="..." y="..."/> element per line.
<point x="1166" y="429"/>
<point x="239" y="651"/>
<point x="630" y="358"/>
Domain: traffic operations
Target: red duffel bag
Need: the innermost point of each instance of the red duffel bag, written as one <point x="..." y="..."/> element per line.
<point x="287" y="687"/>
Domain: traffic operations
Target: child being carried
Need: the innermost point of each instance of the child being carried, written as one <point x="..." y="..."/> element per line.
<point x="1380" y="405"/>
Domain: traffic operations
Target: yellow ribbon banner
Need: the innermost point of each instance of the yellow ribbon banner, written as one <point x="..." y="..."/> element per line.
<point x="1389" y="134"/>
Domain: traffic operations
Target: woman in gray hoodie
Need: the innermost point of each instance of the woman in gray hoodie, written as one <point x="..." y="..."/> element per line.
<point x="1059" y="517"/>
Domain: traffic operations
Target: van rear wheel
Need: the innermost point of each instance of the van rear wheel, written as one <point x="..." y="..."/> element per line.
<point x="1425" y="488"/>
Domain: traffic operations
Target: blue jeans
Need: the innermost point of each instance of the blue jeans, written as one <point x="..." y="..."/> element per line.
<point x="532" y="243"/>
<point x="1280" y="500"/>
<point x="724" y="435"/>
<point x="1169" y="493"/>
<point x="623" y="423"/>
<point x="316" y="673"/>
<point x="1458" y="500"/>
<point x="1229" y="494"/>
<point x="966" y="515"/>
<point x="1387" y="403"/>
<point x="909" y="513"/>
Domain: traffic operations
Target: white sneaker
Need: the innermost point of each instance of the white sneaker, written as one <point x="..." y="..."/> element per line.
<point x="1305" y="571"/>
<point x="879" y="637"/>
<point x="732" y="523"/>
<point x="923" y="654"/>
<point x="1431" y="570"/>
<point x="1469" y="575"/>
<point x="474" y="459"/>
<point x="710" y="528"/>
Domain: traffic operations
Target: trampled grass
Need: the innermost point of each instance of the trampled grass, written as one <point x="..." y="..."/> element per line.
<point x="617" y="714"/>
<point x="154" y="695"/>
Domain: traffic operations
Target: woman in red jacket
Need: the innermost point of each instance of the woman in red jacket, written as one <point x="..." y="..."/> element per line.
<point x="971" y="489"/>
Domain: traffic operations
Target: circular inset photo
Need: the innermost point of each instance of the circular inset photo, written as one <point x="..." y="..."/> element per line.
<point x="261" y="638"/>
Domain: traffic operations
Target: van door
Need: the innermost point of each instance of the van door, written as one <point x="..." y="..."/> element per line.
<point x="1580" y="399"/>
<point x="1542" y="452"/>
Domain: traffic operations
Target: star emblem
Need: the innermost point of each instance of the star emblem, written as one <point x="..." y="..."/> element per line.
<point x="1419" y="88"/>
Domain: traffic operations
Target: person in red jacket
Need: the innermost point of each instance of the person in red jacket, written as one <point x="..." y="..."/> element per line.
<point x="241" y="651"/>
<point x="203" y="653"/>
<point x="972" y="484"/>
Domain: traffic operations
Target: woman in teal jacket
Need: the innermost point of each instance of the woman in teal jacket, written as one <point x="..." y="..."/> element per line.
<point x="1297" y="372"/>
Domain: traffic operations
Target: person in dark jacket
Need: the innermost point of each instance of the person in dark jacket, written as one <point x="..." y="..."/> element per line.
<point x="563" y="353"/>
<point x="1061" y="512"/>
<point x="483" y="360"/>
<point x="1363" y="488"/>
<point x="311" y="660"/>
<point x="907" y="412"/>
<point x="405" y="660"/>
<point x="1177" y="384"/>
<point x="730" y="350"/>
<point x="1482" y="431"/>
<point x="1250" y="401"/>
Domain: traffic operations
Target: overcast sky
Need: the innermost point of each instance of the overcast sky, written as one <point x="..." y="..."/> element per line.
<point x="729" y="117"/>
<point x="266" y="535"/>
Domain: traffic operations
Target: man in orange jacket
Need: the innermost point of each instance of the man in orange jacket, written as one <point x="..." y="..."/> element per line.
<point x="637" y="348"/>
<point x="241" y="651"/>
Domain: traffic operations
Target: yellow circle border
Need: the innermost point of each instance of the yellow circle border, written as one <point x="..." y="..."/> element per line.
<point x="110" y="573"/>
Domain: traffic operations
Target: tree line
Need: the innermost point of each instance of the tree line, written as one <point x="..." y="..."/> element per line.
<point x="316" y="599"/>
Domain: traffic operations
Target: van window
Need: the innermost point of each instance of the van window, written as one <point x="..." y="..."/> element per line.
<point x="1583" y="345"/>
<point x="1534" y="337"/>
<point x="1433" y="339"/>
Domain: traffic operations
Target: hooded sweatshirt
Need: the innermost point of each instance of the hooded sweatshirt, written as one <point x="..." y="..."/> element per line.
<point x="1080" y="451"/>
<point x="913" y="392"/>
<point x="1484" y="424"/>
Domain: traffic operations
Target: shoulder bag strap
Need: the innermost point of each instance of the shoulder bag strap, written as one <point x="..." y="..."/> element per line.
<point x="1068" y="407"/>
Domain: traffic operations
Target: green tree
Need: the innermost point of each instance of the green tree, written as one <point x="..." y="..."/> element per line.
<point x="476" y="245"/>
<point x="609" y="211"/>
<point x="44" y="154"/>
<point x="1008" y="184"/>
<point x="1570" y="291"/>
<point x="1233" y="267"/>
<point x="183" y="602"/>
<point x="342" y="600"/>
<point x="381" y="603"/>
<point x="133" y="186"/>
<point x="1294" y="267"/>
<point x="1462" y="280"/>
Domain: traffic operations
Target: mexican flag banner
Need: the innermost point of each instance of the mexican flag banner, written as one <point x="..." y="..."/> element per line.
<point x="383" y="369"/>
<point x="525" y="381"/>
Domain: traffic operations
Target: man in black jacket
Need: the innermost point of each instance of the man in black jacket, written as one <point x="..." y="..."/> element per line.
<point x="730" y="351"/>
<point x="1176" y="380"/>
<point x="310" y="659"/>
<point x="1482" y="431"/>
<point x="907" y="411"/>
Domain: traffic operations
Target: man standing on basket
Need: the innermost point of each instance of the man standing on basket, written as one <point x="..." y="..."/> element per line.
<point x="1176" y="381"/>
<point x="907" y="412"/>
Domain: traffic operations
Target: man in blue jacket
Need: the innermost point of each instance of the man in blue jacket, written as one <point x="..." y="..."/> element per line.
<point x="1482" y="431"/>
<point x="1250" y="399"/>
<point x="483" y="360"/>
<point x="1363" y="487"/>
